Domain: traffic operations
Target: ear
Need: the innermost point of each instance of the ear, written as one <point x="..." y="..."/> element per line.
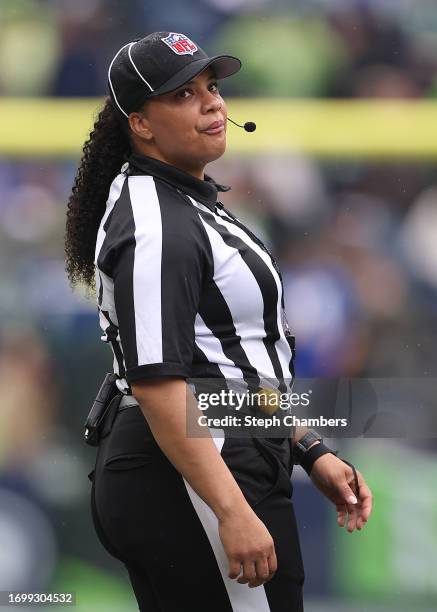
<point x="140" y="126"/>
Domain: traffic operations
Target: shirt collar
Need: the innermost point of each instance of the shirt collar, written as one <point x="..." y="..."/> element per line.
<point x="203" y="190"/>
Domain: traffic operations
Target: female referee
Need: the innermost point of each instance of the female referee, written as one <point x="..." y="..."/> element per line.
<point x="185" y="291"/>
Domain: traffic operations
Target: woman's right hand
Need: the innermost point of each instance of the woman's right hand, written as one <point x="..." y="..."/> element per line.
<point x="166" y="405"/>
<point x="248" y="543"/>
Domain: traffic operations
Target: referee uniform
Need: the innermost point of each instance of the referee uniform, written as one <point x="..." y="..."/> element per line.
<point x="185" y="289"/>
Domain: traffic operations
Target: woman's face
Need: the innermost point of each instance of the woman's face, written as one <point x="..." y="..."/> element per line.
<point x="174" y="127"/>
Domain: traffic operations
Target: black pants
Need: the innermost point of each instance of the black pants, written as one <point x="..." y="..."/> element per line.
<point x="147" y="516"/>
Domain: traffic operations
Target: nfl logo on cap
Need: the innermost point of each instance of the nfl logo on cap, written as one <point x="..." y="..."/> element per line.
<point x="180" y="44"/>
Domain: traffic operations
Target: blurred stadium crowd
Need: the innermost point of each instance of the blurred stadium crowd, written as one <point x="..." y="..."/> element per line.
<point x="315" y="48"/>
<point x="355" y="239"/>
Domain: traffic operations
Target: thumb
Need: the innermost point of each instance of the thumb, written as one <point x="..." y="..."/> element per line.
<point x="348" y="495"/>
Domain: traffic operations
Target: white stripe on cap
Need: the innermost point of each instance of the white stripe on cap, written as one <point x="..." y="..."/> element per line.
<point x="138" y="72"/>
<point x="109" y="77"/>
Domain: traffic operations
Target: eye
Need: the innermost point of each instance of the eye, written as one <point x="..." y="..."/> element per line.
<point x="181" y="93"/>
<point x="187" y="91"/>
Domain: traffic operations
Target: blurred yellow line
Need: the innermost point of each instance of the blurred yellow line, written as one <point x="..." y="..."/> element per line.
<point x="324" y="128"/>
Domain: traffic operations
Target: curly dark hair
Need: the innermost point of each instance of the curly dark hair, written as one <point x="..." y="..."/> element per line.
<point x="107" y="148"/>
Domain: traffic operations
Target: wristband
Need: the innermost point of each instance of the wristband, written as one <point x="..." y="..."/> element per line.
<point x="301" y="446"/>
<point x="314" y="453"/>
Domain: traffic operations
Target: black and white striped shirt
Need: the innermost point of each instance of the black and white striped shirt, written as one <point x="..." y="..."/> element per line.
<point x="183" y="287"/>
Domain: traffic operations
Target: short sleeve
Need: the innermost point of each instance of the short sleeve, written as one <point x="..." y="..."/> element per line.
<point x="158" y="274"/>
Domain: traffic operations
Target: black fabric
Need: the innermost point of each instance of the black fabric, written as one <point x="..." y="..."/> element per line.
<point x="117" y="260"/>
<point x="186" y="262"/>
<point x="204" y="191"/>
<point x="310" y="456"/>
<point x="120" y="231"/>
<point x="215" y="312"/>
<point x="158" y="64"/>
<point x="112" y="333"/>
<point x="144" y="517"/>
<point x="141" y="507"/>
<point x="268" y="290"/>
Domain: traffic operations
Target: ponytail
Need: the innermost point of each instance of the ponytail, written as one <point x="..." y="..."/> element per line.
<point x="107" y="148"/>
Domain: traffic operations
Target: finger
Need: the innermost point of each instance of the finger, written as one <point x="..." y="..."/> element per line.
<point x="352" y="519"/>
<point x="273" y="562"/>
<point x="234" y="568"/>
<point x="249" y="572"/>
<point x="262" y="573"/>
<point x="341" y="518"/>
<point x="341" y="514"/>
<point x="355" y="519"/>
<point x="366" y="500"/>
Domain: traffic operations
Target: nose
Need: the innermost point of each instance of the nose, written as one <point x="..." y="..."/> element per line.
<point x="212" y="102"/>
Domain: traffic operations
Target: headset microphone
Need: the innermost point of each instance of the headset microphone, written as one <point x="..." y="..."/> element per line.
<point x="249" y="126"/>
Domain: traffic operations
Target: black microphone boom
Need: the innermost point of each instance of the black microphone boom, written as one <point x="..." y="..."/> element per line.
<point x="249" y="126"/>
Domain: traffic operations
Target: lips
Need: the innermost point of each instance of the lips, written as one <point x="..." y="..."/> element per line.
<point x="215" y="128"/>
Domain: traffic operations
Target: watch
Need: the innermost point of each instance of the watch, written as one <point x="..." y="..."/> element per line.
<point x="301" y="446"/>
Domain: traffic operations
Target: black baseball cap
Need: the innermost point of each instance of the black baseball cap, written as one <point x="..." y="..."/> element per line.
<point x="158" y="64"/>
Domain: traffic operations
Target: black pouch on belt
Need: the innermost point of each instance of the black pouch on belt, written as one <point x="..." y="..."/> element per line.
<point x="103" y="410"/>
